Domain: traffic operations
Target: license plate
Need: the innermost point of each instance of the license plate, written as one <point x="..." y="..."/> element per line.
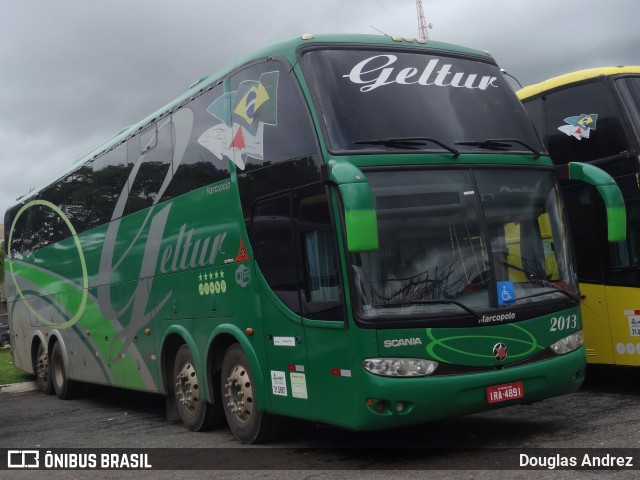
<point x="505" y="392"/>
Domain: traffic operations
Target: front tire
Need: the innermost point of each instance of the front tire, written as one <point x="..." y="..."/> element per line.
<point x="246" y="421"/>
<point x="194" y="411"/>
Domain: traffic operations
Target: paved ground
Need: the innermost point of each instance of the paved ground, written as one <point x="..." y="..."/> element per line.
<point x="604" y="415"/>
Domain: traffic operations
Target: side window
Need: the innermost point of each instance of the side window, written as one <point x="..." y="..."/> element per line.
<point x="586" y="214"/>
<point x="40" y="226"/>
<point x="73" y="194"/>
<point x="270" y="121"/>
<point x="153" y="151"/>
<point x="273" y="246"/>
<point x="110" y="173"/>
<point x="321" y="290"/>
<point x="584" y="124"/>
<point x="202" y="137"/>
<point x="21" y="239"/>
<point x="295" y="249"/>
<point x="46" y="226"/>
<point x="625" y="256"/>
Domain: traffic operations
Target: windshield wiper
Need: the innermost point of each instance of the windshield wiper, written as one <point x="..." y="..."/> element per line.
<point x="430" y="302"/>
<point x="408" y="143"/>
<point x="551" y="291"/>
<point x="499" y="144"/>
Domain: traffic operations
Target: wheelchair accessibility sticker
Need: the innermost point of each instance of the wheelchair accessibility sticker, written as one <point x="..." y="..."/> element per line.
<point x="506" y="293"/>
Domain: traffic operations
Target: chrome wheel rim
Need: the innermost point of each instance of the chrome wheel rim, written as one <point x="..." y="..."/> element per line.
<point x="187" y="387"/>
<point x="239" y="393"/>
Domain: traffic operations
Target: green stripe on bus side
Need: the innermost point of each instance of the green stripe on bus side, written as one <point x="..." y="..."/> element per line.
<point x="90" y="320"/>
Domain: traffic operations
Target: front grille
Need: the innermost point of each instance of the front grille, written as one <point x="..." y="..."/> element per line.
<point x="448" y="369"/>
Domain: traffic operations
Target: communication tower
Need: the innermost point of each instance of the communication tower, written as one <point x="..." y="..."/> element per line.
<point x="422" y="24"/>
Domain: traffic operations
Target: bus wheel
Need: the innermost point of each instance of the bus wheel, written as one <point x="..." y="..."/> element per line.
<point x="64" y="388"/>
<point x="196" y="414"/>
<point x="247" y="422"/>
<point x="43" y="378"/>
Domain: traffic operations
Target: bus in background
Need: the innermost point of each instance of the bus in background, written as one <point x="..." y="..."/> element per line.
<point x="593" y="116"/>
<point x="318" y="231"/>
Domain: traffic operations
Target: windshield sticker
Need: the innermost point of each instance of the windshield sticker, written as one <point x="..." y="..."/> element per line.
<point x="376" y="71"/>
<point x="506" y="293"/>
<point x="580" y="126"/>
<point x="243" y="113"/>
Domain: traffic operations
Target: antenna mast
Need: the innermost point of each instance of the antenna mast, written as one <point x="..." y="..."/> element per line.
<point x="422" y="24"/>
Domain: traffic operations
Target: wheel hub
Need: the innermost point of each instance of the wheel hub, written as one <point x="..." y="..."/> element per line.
<point x="187" y="387"/>
<point x="239" y="393"/>
<point x="42" y="366"/>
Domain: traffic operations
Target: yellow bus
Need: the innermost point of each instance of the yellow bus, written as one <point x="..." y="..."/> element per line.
<point x="594" y="116"/>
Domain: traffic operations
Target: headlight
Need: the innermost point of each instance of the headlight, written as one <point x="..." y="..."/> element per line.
<point x="568" y="344"/>
<point x="399" y="367"/>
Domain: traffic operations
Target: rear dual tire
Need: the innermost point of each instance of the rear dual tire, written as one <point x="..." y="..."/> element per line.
<point x="64" y="387"/>
<point x="193" y="409"/>
<point x="42" y="370"/>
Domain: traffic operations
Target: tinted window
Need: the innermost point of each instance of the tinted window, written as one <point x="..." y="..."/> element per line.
<point x="152" y="164"/>
<point x="272" y="241"/>
<point x="21" y="239"/>
<point x="295" y="248"/>
<point x="200" y="143"/>
<point x="366" y="96"/>
<point x="321" y="290"/>
<point x="35" y="228"/>
<point x="270" y="121"/>
<point x="73" y="194"/>
<point x="625" y="256"/>
<point x="110" y="173"/>
<point x="586" y="214"/>
<point x="584" y="124"/>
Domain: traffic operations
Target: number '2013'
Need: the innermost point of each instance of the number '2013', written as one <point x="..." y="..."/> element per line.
<point x="563" y="323"/>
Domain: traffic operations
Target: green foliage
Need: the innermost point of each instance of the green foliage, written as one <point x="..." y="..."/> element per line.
<point x="8" y="373"/>
<point x="2" y="270"/>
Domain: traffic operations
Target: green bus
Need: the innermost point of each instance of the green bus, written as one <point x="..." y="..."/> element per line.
<point x="344" y="229"/>
<point x="593" y="115"/>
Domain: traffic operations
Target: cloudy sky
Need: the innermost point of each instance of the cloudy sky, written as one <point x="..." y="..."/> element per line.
<point x="74" y="72"/>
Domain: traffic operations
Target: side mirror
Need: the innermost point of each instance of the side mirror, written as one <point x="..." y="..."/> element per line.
<point x="360" y="219"/>
<point x="608" y="190"/>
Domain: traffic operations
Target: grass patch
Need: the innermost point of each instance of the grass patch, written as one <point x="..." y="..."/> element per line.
<point x="8" y="373"/>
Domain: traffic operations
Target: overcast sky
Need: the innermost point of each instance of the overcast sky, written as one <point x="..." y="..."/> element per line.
<point x="74" y="72"/>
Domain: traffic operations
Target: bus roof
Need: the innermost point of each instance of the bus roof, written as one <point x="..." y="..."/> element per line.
<point x="286" y="48"/>
<point x="574" y="77"/>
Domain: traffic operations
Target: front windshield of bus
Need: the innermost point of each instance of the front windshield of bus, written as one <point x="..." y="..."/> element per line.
<point x="413" y="100"/>
<point x="459" y="243"/>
